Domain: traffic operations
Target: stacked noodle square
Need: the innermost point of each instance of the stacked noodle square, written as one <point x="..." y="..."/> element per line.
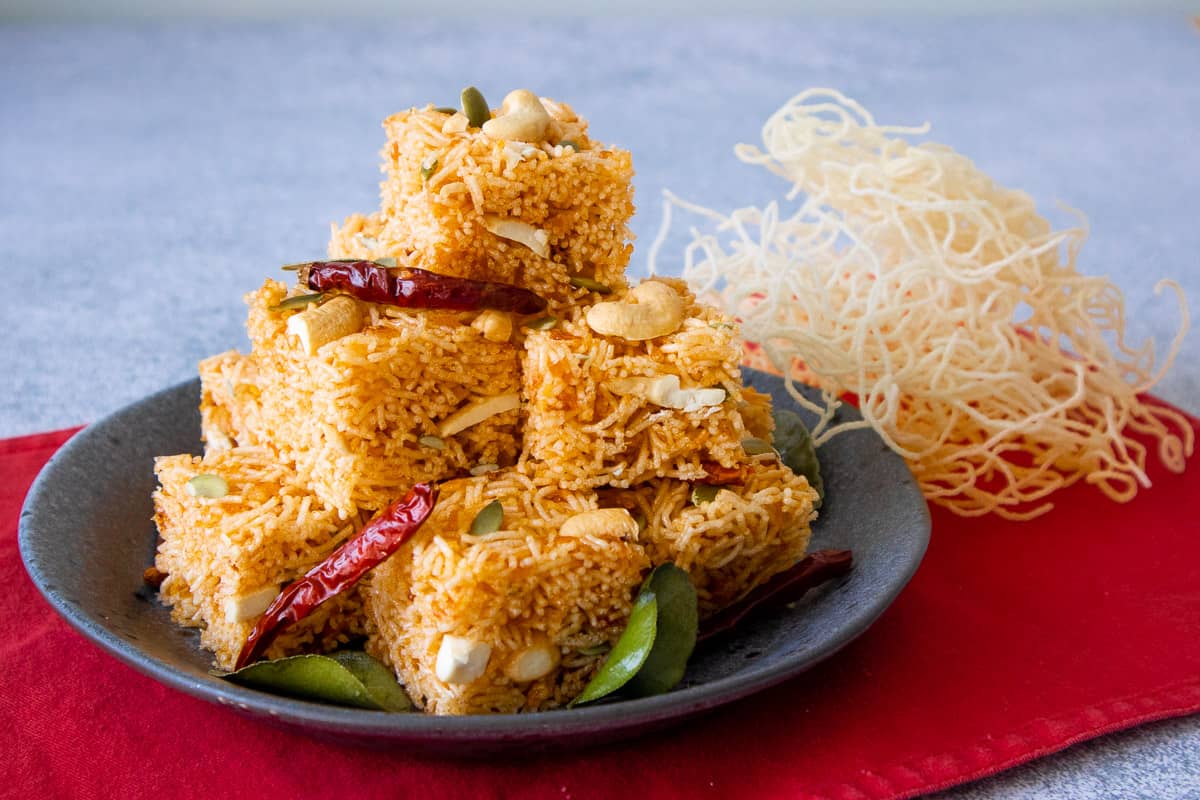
<point x="224" y="558"/>
<point x="314" y="440"/>
<point x="529" y="582"/>
<point x="445" y="183"/>
<point x="352" y="415"/>
<point x="747" y="533"/>
<point x="584" y="429"/>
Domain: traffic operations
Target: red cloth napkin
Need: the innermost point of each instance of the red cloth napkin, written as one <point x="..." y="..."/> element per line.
<point x="1013" y="640"/>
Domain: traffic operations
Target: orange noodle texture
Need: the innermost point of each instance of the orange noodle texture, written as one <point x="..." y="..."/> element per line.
<point x="946" y="303"/>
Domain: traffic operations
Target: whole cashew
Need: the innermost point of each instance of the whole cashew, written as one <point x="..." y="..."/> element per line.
<point x="601" y="521"/>
<point x="522" y="118"/>
<point x="652" y="309"/>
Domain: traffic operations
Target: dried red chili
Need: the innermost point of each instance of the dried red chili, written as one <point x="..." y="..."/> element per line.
<point x="789" y="585"/>
<point x="416" y="288"/>
<point x="378" y="539"/>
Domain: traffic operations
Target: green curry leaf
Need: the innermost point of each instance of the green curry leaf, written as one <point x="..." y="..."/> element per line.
<point x="796" y="449"/>
<point x="629" y="653"/>
<point x="653" y="651"/>
<point x="678" y="620"/>
<point x="347" y="678"/>
<point x="379" y="681"/>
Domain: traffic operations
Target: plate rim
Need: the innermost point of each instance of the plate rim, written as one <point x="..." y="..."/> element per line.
<point x="609" y="718"/>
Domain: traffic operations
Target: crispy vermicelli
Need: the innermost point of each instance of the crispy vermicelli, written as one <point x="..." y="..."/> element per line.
<point x="947" y="304"/>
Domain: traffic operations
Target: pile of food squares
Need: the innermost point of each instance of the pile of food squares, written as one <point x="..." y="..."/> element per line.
<point x="592" y="422"/>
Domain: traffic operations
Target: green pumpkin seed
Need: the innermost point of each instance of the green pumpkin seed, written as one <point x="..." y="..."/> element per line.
<point x="796" y="449"/>
<point x="488" y="520"/>
<point x="475" y="107"/>
<point x="756" y="447"/>
<point x="447" y="110"/>
<point x="704" y="493"/>
<point x="427" y="169"/>
<point x="590" y="285"/>
<point x="299" y="301"/>
<point x="678" y="622"/>
<point x="482" y="469"/>
<point x="653" y="651"/>
<point x="206" y="485"/>
<point x="570" y="144"/>
<point x="347" y="679"/>
<point x="628" y="654"/>
<point x="542" y="323"/>
<point x="387" y="261"/>
<point x="432" y="441"/>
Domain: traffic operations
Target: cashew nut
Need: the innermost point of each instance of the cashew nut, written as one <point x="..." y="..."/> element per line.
<point x="456" y="123"/>
<point x="652" y="309"/>
<point x="477" y="411"/>
<point x="536" y="661"/>
<point x="496" y="326"/>
<point x="616" y="522"/>
<point x="522" y="117"/>
<point x="325" y="323"/>
<point x="514" y="230"/>
<point x="665" y="391"/>
<point x="215" y="439"/>
<point x="461" y="660"/>
<point x="250" y="605"/>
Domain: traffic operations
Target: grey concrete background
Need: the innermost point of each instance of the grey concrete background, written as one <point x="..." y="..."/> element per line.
<point x="151" y="174"/>
<point x="538" y="9"/>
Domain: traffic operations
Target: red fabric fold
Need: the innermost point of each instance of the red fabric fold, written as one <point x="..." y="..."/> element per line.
<point x="1014" y="640"/>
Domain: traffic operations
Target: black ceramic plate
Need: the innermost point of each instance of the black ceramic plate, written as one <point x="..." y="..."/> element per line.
<point x="86" y="535"/>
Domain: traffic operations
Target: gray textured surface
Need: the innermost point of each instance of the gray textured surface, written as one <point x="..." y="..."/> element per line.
<point x="151" y="175"/>
<point x="289" y="9"/>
